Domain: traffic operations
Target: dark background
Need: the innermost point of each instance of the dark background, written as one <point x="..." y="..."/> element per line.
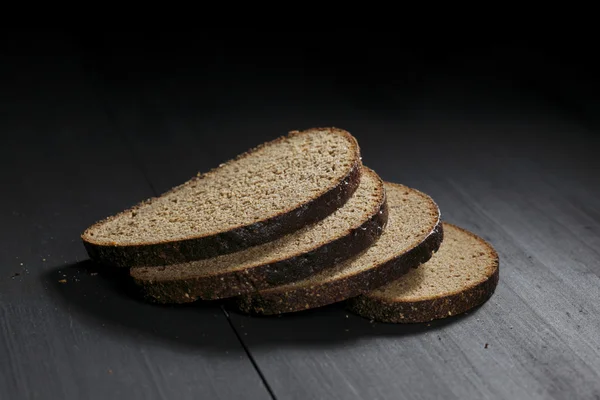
<point x="503" y="135"/>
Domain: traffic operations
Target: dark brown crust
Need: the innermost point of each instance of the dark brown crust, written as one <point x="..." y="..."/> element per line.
<point x="235" y="239"/>
<point x="265" y="276"/>
<point x="378" y="309"/>
<point x="292" y="299"/>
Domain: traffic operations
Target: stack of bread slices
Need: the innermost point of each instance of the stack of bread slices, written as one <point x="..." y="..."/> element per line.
<point x="299" y="223"/>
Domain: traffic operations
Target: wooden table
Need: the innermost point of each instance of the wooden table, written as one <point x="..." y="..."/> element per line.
<point x="85" y="135"/>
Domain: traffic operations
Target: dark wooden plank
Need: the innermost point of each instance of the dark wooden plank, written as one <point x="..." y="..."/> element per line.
<point x="65" y="331"/>
<point x="496" y="162"/>
<point x="540" y="326"/>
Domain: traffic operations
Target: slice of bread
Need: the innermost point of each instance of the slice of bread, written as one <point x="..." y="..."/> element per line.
<point x="346" y="232"/>
<point x="272" y="190"/>
<point x="413" y="233"/>
<point x="460" y="276"/>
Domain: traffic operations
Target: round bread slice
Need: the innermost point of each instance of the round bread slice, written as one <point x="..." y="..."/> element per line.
<point x="412" y="234"/>
<point x="272" y="190"/>
<point x="346" y="232"/>
<point x="460" y="276"/>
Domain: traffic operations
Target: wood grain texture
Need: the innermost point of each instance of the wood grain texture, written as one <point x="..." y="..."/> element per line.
<point x="540" y="326"/>
<point x="540" y="338"/>
<point x="67" y="332"/>
<point x="532" y="202"/>
<point x="499" y="161"/>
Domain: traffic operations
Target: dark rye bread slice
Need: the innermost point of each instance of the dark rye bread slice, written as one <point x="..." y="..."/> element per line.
<point x="265" y="193"/>
<point x="346" y="232"/>
<point x="412" y="234"/>
<point x="460" y="276"/>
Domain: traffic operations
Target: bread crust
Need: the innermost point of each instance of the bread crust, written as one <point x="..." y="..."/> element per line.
<point x="292" y="299"/>
<point x="235" y="239"/>
<point x="379" y="309"/>
<point x="260" y="277"/>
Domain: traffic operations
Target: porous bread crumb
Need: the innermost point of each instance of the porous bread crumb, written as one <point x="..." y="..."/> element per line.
<point x="463" y="261"/>
<point x="412" y="217"/>
<point x="274" y="179"/>
<point x="365" y="202"/>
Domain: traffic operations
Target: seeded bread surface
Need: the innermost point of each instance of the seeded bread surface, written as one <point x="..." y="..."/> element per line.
<point x="270" y="191"/>
<point x="348" y="231"/>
